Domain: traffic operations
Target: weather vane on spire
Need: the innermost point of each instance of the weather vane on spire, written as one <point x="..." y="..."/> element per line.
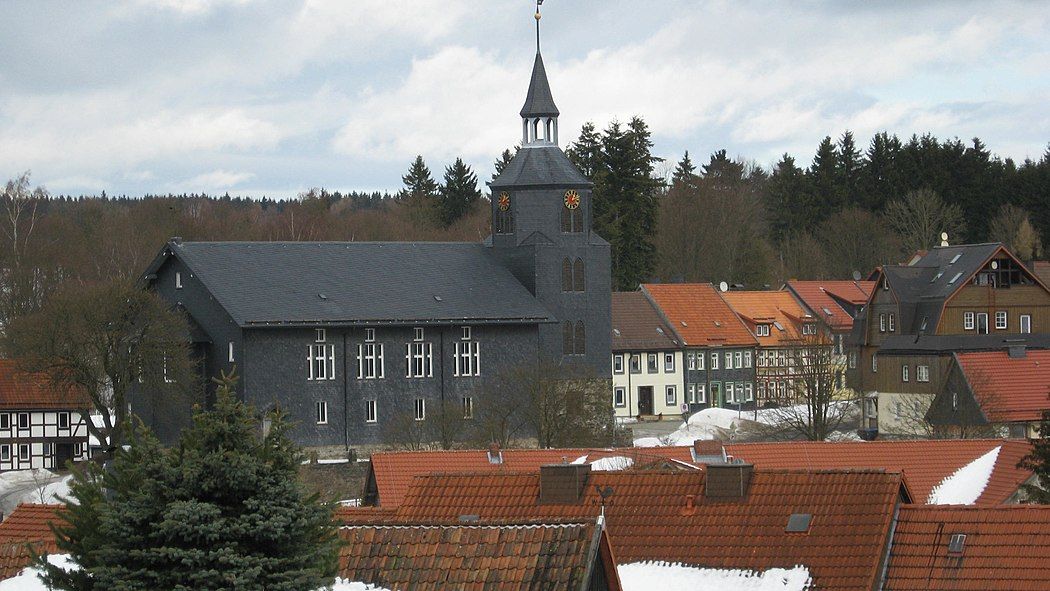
<point x="538" y="4"/>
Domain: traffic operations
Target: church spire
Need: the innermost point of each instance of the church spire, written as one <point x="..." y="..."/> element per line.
<point x="539" y="113"/>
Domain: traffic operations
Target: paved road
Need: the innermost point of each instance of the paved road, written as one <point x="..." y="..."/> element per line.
<point x="654" y="428"/>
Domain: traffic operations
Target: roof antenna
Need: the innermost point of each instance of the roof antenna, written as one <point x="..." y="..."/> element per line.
<point x="538" y="4"/>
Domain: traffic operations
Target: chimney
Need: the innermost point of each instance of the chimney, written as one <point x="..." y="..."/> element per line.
<point x="563" y="484"/>
<point x="708" y="451"/>
<point x="728" y="482"/>
<point x="1016" y="351"/>
<point x="495" y="455"/>
<point x="690" y="506"/>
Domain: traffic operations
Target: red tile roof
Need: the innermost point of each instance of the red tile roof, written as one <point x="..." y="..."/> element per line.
<point x="925" y="463"/>
<point x="476" y="556"/>
<point x="1009" y="389"/>
<point x="824" y="296"/>
<point x="637" y="324"/>
<point x="769" y="307"/>
<point x="23" y="390"/>
<point x="665" y="516"/>
<point x="24" y="533"/>
<point x="1006" y="548"/>
<point x="699" y="315"/>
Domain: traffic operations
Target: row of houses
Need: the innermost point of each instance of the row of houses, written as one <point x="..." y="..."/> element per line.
<point x="953" y="343"/>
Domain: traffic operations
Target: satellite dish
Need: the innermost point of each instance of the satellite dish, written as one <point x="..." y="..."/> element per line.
<point x="856" y="275"/>
<point x="944" y="236"/>
<point x="723" y="286"/>
<point x="995" y="265"/>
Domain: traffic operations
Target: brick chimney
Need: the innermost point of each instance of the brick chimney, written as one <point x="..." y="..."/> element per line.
<point x="728" y="482"/>
<point x="709" y="451"/>
<point x="563" y="484"/>
<point x="495" y="455"/>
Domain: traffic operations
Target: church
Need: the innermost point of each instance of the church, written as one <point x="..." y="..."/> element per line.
<point x="348" y="337"/>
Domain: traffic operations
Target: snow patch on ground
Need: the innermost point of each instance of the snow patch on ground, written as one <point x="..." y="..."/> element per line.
<point x="966" y="485"/>
<point x="33" y="486"/>
<point x="640" y="576"/>
<point x="726" y="424"/>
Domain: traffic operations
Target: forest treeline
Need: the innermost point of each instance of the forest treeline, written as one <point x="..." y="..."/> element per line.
<point x="726" y="219"/>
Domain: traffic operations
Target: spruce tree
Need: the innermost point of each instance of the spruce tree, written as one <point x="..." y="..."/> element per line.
<point x="1038" y="461"/>
<point x="684" y="173"/>
<point x="850" y="163"/>
<point x="418" y="182"/>
<point x="825" y="182"/>
<point x="501" y="163"/>
<point x="722" y="171"/>
<point x="222" y="510"/>
<point x="586" y="153"/>
<point x="458" y="193"/>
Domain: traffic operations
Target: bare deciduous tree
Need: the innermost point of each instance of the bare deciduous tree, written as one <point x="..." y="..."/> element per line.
<point x="921" y="216"/>
<point x="1012" y="226"/>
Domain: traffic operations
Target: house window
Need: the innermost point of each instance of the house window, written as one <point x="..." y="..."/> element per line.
<point x="762" y="330"/>
<point x="1026" y="323"/>
<point x="370" y="359"/>
<point x="749" y="388"/>
<point x="417" y="334"/>
<point x="882" y="323"/>
<point x="668" y="362"/>
<point x="874" y="363"/>
<point x="5" y="452"/>
<point x="1000" y="320"/>
<point x="230" y="356"/>
<point x="893" y="322"/>
<point x="747" y="359"/>
<point x="320" y="336"/>
<point x="5" y="421"/>
<point x="23" y="420"/>
<point x="421" y="409"/>
<point x="619" y="397"/>
<point x="651" y="364"/>
<point x="738" y="359"/>
<point x="670" y="398"/>
<point x="178" y="280"/>
<point x="809" y="328"/>
<point x="730" y="392"/>
<point x="468" y="358"/>
<point x="982" y="323"/>
<point x="466" y="334"/>
<point x="968" y="320"/>
<point x="370" y="335"/>
<point x="419" y="359"/>
<point x="729" y="360"/>
<point x="321" y="361"/>
<point x="322" y="412"/>
<point x="618" y="363"/>
<point x="636" y="363"/>
<point x="701" y="393"/>
<point x="468" y="407"/>
<point x="852" y="359"/>
<point x="904" y="372"/>
<point x="63" y="420"/>
<point x="691" y="359"/>
<point x="922" y="373"/>
<point x="714" y="360"/>
<point x="700" y="356"/>
<point x="371" y="415"/>
<point x="23" y="452"/>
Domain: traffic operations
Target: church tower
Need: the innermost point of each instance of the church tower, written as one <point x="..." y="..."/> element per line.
<point x="542" y="231"/>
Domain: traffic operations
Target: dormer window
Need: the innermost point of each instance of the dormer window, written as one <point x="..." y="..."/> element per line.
<point x="178" y="280"/>
<point x="762" y="330"/>
<point x="320" y="336"/>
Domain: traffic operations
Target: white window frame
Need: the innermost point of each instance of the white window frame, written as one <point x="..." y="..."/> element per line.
<point x="1025" y="323"/>
<point x="874" y="363"/>
<point x="420" y="409"/>
<point x="670" y="396"/>
<point x="635" y="363"/>
<point x="320" y="335"/>
<point x="320" y="361"/>
<point x="322" y="412"/>
<point x="467" y="359"/>
<point x="468" y="407"/>
<point x="730" y="390"/>
<point x="652" y="363"/>
<point x="370" y="335"/>
<point x="747" y="359"/>
<point x="690" y="358"/>
<point x="904" y="372"/>
<point x="987" y="325"/>
<point x="762" y="330"/>
<point x="370" y="365"/>
<point x="1001" y="320"/>
<point x="466" y="335"/>
<point x="417" y="334"/>
<point x="968" y="321"/>
<point x="738" y="359"/>
<point x="922" y="373"/>
<point x="619" y="397"/>
<point x="808" y="328"/>
<point x="729" y="360"/>
<point x="882" y="322"/>
<point x="618" y="363"/>
<point x="27" y="456"/>
<point x="893" y="322"/>
<point x="371" y="411"/>
<point x="419" y="359"/>
<point x="178" y="280"/>
<point x="669" y="363"/>
<point x="5" y="452"/>
<point x="749" y="392"/>
<point x="714" y="360"/>
<point x="230" y="356"/>
<point x="5" y="421"/>
<point x="701" y="393"/>
<point x="852" y="359"/>
<point x="701" y="359"/>
<point x="28" y="421"/>
<point x="63" y="415"/>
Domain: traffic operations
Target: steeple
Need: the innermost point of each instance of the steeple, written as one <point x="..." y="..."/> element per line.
<point x="539" y="114"/>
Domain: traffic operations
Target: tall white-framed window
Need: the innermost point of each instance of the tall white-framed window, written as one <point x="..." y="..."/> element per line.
<point x="730" y="389"/>
<point x="893" y="322"/>
<point x="904" y="372"/>
<point x="321" y="360"/>
<point x="714" y="360"/>
<point x="417" y="334"/>
<point x="882" y="322"/>
<point x="322" y="412"/>
<point x="230" y="356"/>
<point x="370" y="335"/>
<point x="670" y="396"/>
<point x="468" y="359"/>
<point x="636" y="363"/>
<point x="747" y="359"/>
<point x="668" y="362"/>
<point x="370" y="364"/>
<point x="320" y="335"/>
<point x="729" y="360"/>
<point x="738" y="359"/>
<point x="982" y="323"/>
<point x="23" y="421"/>
<point x="1000" y="320"/>
<point x="690" y="360"/>
<point x="63" y="420"/>
<point x="700" y="357"/>
<point x="178" y="280"/>
<point x="651" y="364"/>
<point x="5" y="452"/>
<point x="23" y="452"/>
<point x="968" y="320"/>
<point x="419" y="359"/>
<point x="371" y="414"/>
<point x="1026" y="323"/>
<point x="922" y="373"/>
<point x="618" y="363"/>
<point x="421" y="409"/>
<point x="468" y="407"/>
<point x="701" y="393"/>
<point x="690" y="392"/>
<point x="466" y="334"/>
<point x="874" y="363"/>
<point x="852" y="359"/>
<point x="5" y="421"/>
<point x="619" y="397"/>
<point x="749" y="390"/>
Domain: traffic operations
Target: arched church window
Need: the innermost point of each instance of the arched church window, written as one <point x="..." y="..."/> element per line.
<point x="567" y="275"/>
<point x="580" y="339"/>
<point x="577" y="275"/>
<point x="568" y="338"/>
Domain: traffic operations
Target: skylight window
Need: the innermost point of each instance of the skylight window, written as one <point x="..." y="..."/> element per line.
<point x="955" y="258"/>
<point x="956" y="278"/>
<point x="798" y="522"/>
<point x="956" y="543"/>
<point x="779" y="326"/>
<point x="937" y="276"/>
<point x="827" y="311"/>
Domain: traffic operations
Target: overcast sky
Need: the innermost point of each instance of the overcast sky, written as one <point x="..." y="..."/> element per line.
<point x="271" y="98"/>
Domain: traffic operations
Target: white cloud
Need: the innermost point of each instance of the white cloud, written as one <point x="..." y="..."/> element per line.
<point x="210" y="182"/>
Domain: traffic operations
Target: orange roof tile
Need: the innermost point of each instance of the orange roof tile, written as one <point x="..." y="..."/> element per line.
<point x="23" y="390"/>
<point x="24" y="533"/>
<point x="823" y="297"/>
<point x="1009" y="389"/>
<point x="698" y="314"/>
<point x="475" y="556"/>
<point x="925" y="463"/>
<point x="770" y="307"/>
<point x="1006" y="548"/>
<point x="649" y="517"/>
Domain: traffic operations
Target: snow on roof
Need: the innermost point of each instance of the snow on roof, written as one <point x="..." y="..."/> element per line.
<point x="965" y="486"/>
<point x="612" y="463"/>
<point x="674" y="577"/>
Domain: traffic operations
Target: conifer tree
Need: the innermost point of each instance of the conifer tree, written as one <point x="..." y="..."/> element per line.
<point x="501" y="163"/>
<point x="586" y="153"/>
<point x="684" y="172"/>
<point x="788" y="196"/>
<point x="722" y="171"/>
<point x="825" y="182"/>
<point x="418" y="182"/>
<point x="458" y="193"/>
<point x="222" y="510"/>
<point x="850" y="163"/>
<point x="1038" y="461"/>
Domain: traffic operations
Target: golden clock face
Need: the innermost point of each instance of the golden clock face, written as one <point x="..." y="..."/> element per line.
<point x="503" y="201"/>
<point x="572" y="199"/>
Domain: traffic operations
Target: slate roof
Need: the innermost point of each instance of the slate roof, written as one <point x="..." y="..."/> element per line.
<point x="1006" y="548"/>
<point x="933" y="343"/>
<point x="699" y="315"/>
<point x="470" y="557"/>
<point x="21" y="390"/>
<point x="1018" y="389"/>
<point x="540" y="165"/>
<point x="24" y="533"/>
<point x="305" y="283"/>
<point x="824" y="299"/>
<point x="664" y="516"/>
<point x="773" y="308"/>
<point x="924" y="463"/>
<point x="538" y="101"/>
<point x="637" y="324"/>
